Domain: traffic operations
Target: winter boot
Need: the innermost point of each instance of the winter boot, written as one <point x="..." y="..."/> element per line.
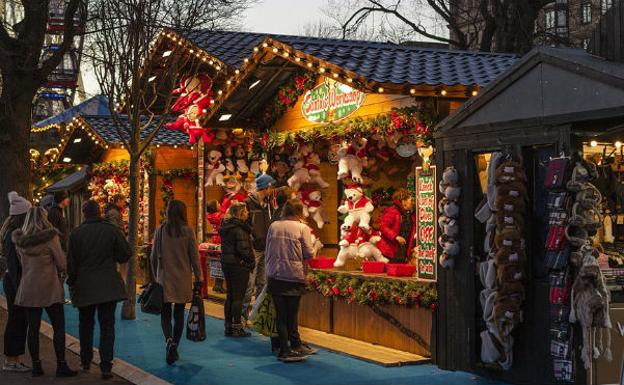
<point x="62" y="370"/>
<point x="172" y="352"/>
<point x="238" y="330"/>
<point x="37" y="370"/>
<point x="228" y="329"/>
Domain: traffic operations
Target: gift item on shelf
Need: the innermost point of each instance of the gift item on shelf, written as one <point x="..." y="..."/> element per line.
<point x="449" y="213"/>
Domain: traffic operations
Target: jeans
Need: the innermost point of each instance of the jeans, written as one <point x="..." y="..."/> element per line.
<point x="17" y="325"/>
<point x="237" y="280"/>
<point x="257" y="280"/>
<point x="178" y="321"/>
<point x="57" y="319"/>
<point x="287" y="309"/>
<point x="106" y="319"/>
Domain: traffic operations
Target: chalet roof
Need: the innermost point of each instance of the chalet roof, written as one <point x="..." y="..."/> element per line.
<point x="104" y="126"/>
<point x="376" y="61"/>
<point x="548" y="86"/>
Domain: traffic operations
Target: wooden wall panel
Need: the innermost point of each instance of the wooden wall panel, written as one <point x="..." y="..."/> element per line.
<point x="115" y="154"/>
<point x="315" y="312"/>
<point x="183" y="189"/>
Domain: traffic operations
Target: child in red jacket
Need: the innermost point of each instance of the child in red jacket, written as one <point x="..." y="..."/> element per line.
<point x="397" y="226"/>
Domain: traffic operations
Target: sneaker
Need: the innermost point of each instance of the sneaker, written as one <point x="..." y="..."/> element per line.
<point x="291" y="357"/>
<point x="13" y="367"/>
<point x="305" y="350"/>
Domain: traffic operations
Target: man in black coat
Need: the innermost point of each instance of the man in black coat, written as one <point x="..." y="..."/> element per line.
<point x="94" y="250"/>
<point x="56" y="216"/>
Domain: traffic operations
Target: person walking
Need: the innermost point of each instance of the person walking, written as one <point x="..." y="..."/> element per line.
<point x="41" y="287"/>
<point x="174" y="258"/>
<point x="397" y="228"/>
<point x="17" y="325"/>
<point x="237" y="261"/>
<point x="288" y="246"/>
<point x="113" y="211"/>
<point x="95" y="248"/>
<point x="56" y="216"/>
<point x="259" y="207"/>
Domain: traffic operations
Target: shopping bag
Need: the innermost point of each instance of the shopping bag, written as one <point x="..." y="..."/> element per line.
<point x="151" y="298"/>
<point x="263" y="315"/>
<point x="196" y="321"/>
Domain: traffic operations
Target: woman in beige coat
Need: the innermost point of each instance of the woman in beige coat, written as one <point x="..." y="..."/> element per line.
<point x="175" y="258"/>
<point x="41" y="287"/>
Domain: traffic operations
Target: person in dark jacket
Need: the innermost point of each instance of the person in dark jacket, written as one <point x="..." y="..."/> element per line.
<point x="113" y="211"/>
<point x="174" y="259"/>
<point x="41" y="286"/>
<point x="259" y="206"/>
<point x="95" y="249"/>
<point x="16" y="326"/>
<point x="56" y="216"/>
<point x="237" y="261"/>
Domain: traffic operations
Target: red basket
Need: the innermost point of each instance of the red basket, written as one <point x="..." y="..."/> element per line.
<point x="321" y="262"/>
<point x="400" y="269"/>
<point x="373" y="267"/>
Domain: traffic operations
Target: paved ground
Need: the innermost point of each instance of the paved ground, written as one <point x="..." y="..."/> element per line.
<point x="49" y="366"/>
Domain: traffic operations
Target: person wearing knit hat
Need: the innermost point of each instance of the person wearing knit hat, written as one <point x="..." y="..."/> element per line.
<point x="95" y="250"/>
<point x="260" y="213"/>
<point x="16" y="326"/>
<point x="56" y="216"/>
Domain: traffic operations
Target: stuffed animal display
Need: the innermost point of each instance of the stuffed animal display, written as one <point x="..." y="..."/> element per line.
<point x="352" y="160"/>
<point x="313" y="206"/>
<point x="214" y="169"/>
<point x="357" y="207"/>
<point x="358" y="243"/>
<point x="449" y="214"/>
<point x="195" y="96"/>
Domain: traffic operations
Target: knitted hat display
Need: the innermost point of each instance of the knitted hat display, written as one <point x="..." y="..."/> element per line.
<point x="17" y="204"/>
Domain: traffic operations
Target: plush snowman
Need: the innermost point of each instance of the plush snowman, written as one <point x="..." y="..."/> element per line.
<point x="215" y="169"/>
<point x="357" y="207"/>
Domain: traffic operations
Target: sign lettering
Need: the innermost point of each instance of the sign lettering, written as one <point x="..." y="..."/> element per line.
<point x="330" y="101"/>
<point x="426" y="248"/>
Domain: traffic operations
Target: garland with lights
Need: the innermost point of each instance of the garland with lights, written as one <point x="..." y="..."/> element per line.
<point x="166" y="189"/>
<point x="413" y="121"/>
<point x="367" y="291"/>
<point x="287" y="96"/>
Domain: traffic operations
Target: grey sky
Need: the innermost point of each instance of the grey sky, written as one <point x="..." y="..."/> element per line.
<point x="282" y="16"/>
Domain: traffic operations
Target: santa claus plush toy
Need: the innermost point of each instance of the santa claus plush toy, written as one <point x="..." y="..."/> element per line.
<point x="352" y="159"/>
<point x="312" y="204"/>
<point x="214" y="169"/>
<point x="193" y="90"/>
<point x="357" y="207"/>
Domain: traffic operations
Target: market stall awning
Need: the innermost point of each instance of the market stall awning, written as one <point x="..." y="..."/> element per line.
<point x="549" y="86"/>
<point x="71" y="182"/>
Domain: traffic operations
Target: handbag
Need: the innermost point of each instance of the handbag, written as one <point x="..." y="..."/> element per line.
<point x="151" y="298"/>
<point x="264" y="315"/>
<point x="196" y="321"/>
<point x="556" y="173"/>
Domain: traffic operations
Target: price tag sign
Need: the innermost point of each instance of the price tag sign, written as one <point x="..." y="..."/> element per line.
<point x="426" y="247"/>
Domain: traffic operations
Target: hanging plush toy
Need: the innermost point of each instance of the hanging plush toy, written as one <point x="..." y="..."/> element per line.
<point x="357" y="207"/>
<point x="312" y="204"/>
<point x="241" y="162"/>
<point x="233" y="192"/>
<point x="300" y="175"/>
<point x="352" y="159"/>
<point x="312" y="163"/>
<point x="280" y="169"/>
<point x="195" y="97"/>
<point x="214" y="169"/>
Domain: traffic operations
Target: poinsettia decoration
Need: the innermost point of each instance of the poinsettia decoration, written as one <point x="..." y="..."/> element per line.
<point x="287" y="96"/>
<point x="366" y="291"/>
<point x="414" y="122"/>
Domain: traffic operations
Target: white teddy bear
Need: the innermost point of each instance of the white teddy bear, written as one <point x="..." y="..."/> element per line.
<point x="312" y="205"/>
<point x="215" y="169"/>
<point x="357" y="206"/>
<point x="357" y="243"/>
<point x="352" y="159"/>
<point x="300" y="175"/>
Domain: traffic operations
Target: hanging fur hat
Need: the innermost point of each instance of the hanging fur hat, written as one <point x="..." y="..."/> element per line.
<point x="451" y="228"/>
<point x="509" y="171"/>
<point x="509" y="220"/>
<point x="450" y="176"/>
<point x="446" y="261"/>
<point x="514" y="189"/>
<point x="510" y="204"/>
<point x="508" y="237"/>
<point x="509" y="273"/>
<point x="510" y="255"/>
<point x="576" y="235"/>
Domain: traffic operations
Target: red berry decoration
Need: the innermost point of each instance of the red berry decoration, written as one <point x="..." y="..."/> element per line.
<point x="433" y="307"/>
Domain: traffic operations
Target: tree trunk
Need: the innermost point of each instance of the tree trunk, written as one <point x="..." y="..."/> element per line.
<point x="15" y="122"/>
<point x="128" y="310"/>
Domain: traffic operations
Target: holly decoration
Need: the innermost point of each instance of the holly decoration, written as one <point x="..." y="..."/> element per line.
<point x="367" y="291"/>
<point x="415" y="122"/>
<point x="287" y="96"/>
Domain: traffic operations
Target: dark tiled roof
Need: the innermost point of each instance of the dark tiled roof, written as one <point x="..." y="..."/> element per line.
<point x="381" y="62"/>
<point x="105" y="127"/>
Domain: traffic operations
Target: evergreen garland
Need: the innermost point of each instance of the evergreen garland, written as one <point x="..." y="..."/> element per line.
<point x="287" y="96"/>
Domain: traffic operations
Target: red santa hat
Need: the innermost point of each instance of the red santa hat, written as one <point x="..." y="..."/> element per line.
<point x="355" y="186"/>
